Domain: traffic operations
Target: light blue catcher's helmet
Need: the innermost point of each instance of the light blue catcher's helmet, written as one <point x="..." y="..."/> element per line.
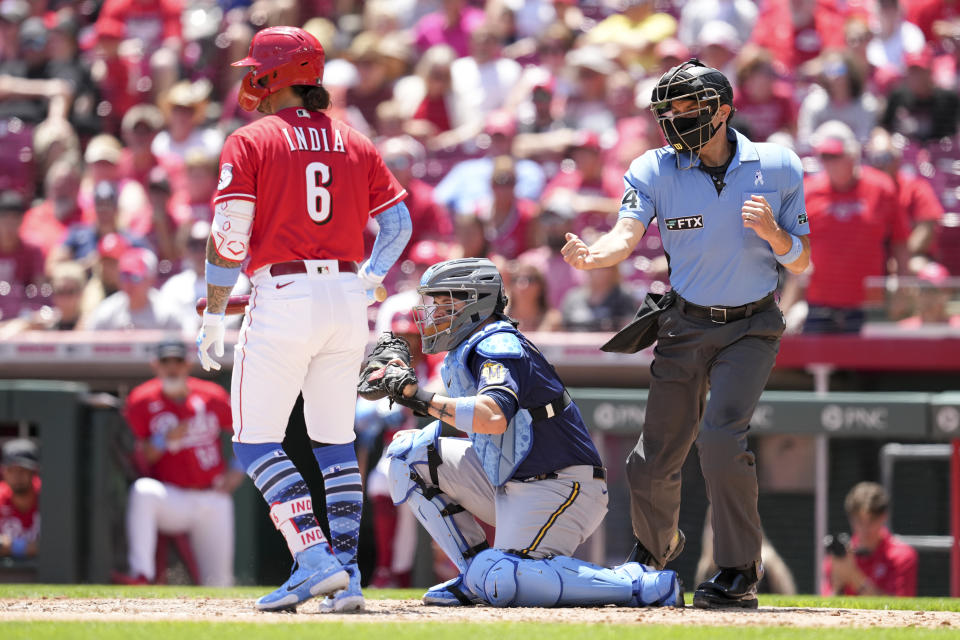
<point x="456" y="297"/>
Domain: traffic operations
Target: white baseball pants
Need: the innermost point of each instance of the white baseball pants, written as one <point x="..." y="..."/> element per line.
<point x="301" y="332"/>
<point x="206" y="515"/>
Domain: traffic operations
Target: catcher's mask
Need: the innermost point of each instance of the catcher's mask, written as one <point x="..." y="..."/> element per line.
<point x="456" y="297"/>
<point x="690" y="130"/>
<point x="279" y="57"/>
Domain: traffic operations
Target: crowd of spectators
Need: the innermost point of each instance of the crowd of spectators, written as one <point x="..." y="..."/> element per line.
<point x="508" y="121"/>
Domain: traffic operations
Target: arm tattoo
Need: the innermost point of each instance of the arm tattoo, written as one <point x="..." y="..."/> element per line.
<point x="217" y="296"/>
<point x="442" y="412"/>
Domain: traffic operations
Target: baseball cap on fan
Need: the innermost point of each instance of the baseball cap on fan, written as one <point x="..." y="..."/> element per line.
<point x="113" y="245"/>
<point x="586" y="140"/>
<point x="171" y="347"/>
<point x="500" y="121"/>
<point x="922" y="59"/>
<point x="12" y="201"/>
<point x="137" y="264"/>
<point x="428" y="252"/>
<point x="592" y="58"/>
<point x="14" y="11"/>
<point x="33" y="34"/>
<point x="671" y="52"/>
<point x="720" y="34"/>
<point x="835" y="138"/>
<point x="103" y="148"/>
<point x="145" y="114"/>
<point x="20" y="452"/>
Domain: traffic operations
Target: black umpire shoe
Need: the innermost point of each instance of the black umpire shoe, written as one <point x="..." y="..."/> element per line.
<point x="730" y="588"/>
<point x="641" y="555"/>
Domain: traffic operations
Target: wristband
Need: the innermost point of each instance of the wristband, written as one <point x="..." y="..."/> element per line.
<point x="222" y="276"/>
<point x="159" y="441"/>
<point x="18" y="548"/>
<point x="796" y="249"/>
<point x="464" y="415"/>
<point x="419" y="403"/>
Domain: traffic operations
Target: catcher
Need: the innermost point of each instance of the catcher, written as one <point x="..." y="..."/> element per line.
<point x="529" y="464"/>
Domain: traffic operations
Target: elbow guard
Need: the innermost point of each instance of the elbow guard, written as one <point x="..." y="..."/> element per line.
<point x="232" y="222"/>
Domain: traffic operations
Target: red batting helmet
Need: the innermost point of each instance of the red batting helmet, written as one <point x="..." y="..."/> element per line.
<point x="279" y="57"/>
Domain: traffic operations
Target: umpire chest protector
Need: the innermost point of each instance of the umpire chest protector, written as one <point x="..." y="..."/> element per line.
<point x="500" y="454"/>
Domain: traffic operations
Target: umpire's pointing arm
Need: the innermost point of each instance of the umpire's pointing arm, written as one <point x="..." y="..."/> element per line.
<point x="609" y="249"/>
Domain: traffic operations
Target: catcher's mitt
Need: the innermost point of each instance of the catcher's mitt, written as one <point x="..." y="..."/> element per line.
<point x="390" y="382"/>
<point x="389" y="347"/>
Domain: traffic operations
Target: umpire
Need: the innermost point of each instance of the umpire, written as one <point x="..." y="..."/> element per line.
<point x="730" y="212"/>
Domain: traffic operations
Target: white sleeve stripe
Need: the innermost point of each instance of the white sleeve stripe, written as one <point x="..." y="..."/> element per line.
<point x="500" y="387"/>
<point x="235" y="195"/>
<point x="403" y="192"/>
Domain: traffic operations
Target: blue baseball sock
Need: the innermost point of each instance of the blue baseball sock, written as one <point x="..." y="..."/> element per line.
<point x="341" y="479"/>
<point x="282" y="486"/>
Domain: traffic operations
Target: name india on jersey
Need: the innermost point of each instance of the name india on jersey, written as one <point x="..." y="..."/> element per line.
<point x="313" y="139"/>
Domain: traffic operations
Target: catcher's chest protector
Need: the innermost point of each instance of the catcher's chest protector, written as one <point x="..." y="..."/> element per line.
<point x="500" y="454"/>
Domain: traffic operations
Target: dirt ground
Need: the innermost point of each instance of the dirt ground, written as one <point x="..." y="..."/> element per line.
<point x="216" y="610"/>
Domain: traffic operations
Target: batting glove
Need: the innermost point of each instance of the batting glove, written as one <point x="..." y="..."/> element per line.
<point x="211" y="334"/>
<point x="370" y="282"/>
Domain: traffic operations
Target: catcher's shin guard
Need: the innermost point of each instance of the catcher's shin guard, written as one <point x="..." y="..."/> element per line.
<point x="452" y="527"/>
<point x="653" y="587"/>
<point x="508" y="580"/>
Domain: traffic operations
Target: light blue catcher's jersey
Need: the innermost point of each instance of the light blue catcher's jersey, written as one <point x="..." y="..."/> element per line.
<point x="714" y="259"/>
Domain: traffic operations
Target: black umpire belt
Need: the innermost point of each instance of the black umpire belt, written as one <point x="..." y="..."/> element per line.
<point x="552" y="409"/>
<point x="599" y="473"/>
<point x="722" y="315"/>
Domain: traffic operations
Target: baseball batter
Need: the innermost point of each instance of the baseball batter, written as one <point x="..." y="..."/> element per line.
<point x="177" y="420"/>
<point x="529" y="466"/>
<point x="296" y="190"/>
<point x="730" y="212"/>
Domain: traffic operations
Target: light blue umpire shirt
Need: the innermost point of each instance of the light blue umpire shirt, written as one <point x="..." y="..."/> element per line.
<point x="714" y="260"/>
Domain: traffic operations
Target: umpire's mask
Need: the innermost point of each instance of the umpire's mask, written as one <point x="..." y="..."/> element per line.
<point x="707" y="88"/>
<point x="456" y="297"/>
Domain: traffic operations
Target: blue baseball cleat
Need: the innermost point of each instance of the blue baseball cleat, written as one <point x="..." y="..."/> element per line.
<point x="653" y="588"/>
<point x="346" y="600"/>
<point x="316" y="572"/>
<point x="452" y="593"/>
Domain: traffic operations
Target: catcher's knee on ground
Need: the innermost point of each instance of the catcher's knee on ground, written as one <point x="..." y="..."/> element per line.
<point x="508" y="580"/>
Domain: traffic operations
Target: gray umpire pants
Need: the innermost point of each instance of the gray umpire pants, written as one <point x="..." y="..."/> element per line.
<point x="733" y="361"/>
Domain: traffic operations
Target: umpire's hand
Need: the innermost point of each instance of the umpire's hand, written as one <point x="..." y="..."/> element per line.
<point x="758" y="215"/>
<point x="577" y="254"/>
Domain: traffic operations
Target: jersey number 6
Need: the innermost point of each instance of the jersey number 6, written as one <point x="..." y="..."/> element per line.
<point x="318" y="197"/>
